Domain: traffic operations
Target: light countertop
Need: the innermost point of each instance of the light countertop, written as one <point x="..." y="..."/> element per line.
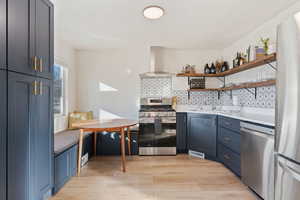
<point x="255" y="115"/>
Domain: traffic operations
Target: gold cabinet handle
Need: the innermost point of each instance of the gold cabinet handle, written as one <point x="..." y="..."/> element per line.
<point x="41" y="65"/>
<point x="35" y="60"/>
<point x="35" y="88"/>
<point x="41" y="88"/>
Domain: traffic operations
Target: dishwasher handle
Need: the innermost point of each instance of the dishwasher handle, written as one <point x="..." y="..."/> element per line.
<point x="258" y="128"/>
<point x="256" y="133"/>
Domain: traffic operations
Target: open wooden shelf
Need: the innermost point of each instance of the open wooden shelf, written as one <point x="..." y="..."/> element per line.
<point x="236" y="87"/>
<point x="204" y="90"/>
<point x="253" y="64"/>
<point x="250" y="85"/>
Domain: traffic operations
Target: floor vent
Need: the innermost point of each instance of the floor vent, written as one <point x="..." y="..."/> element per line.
<point x="197" y="154"/>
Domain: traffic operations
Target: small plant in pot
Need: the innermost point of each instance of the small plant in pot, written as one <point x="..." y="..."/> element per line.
<point x="262" y="51"/>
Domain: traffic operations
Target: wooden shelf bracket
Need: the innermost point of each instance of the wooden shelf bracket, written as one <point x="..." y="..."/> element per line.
<point x="225" y="92"/>
<point x="253" y="93"/>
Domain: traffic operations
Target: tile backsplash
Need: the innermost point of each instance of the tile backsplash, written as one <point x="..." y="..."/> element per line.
<point x="156" y="87"/>
<point x="162" y="87"/>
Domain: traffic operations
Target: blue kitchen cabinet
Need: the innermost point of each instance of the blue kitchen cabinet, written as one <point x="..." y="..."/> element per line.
<point x="229" y="123"/>
<point x="21" y="40"/>
<point x="29" y="142"/>
<point x="30" y="42"/>
<point x="230" y="159"/>
<point x="3" y="134"/>
<point x="61" y="170"/>
<point x="229" y="143"/>
<point x="73" y="152"/>
<point x="181" y="132"/>
<point x="202" y="134"/>
<point x="2" y="34"/>
<point x="30" y="137"/>
<point x="230" y="139"/>
<point x="44" y="139"/>
<point x="44" y="41"/>
<point x="21" y="137"/>
<point x="65" y="167"/>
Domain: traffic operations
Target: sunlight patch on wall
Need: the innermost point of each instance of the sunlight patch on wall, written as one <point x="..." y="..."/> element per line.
<point x="106" y="88"/>
<point x="105" y="115"/>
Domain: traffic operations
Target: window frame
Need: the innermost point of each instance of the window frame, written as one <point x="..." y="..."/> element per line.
<point x="64" y="99"/>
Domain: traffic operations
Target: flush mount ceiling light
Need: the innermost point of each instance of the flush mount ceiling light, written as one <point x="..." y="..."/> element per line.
<point x="153" y="12"/>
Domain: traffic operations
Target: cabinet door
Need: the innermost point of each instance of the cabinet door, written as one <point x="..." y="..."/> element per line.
<point x="20" y="49"/>
<point x="202" y="134"/>
<point x="21" y="101"/>
<point x="62" y="170"/>
<point x="44" y="38"/>
<point x="2" y="34"/>
<point x="73" y="152"/>
<point x="181" y="123"/>
<point x="44" y="138"/>
<point x="3" y="134"/>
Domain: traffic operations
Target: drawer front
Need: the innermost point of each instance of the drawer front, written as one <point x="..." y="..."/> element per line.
<point x="232" y="124"/>
<point x="230" y="159"/>
<point x="230" y="139"/>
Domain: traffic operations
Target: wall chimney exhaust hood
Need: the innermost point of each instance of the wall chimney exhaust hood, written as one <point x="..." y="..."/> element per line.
<point x="156" y="70"/>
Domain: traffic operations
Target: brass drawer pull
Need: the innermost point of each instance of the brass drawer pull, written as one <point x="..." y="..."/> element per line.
<point x="35" y="60"/>
<point x="228" y="123"/>
<point x="41" y="65"/>
<point x="227" y="139"/>
<point x="35" y="89"/>
<point x="227" y="157"/>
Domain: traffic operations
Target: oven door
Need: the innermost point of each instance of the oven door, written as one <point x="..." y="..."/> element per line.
<point x="146" y="135"/>
<point x="158" y="136"/>
<point x="165" y="132"/>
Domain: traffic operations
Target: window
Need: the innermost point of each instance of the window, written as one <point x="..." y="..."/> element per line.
<point x="59" y="91"/>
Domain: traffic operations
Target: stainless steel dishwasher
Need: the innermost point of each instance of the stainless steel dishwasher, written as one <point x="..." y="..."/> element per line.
<point x="257" y="159"/>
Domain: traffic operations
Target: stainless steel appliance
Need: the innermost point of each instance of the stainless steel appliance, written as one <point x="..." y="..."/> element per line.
<point x="157" y="124"/>
<point x="257" y="159"/>
<point x="287" y="144"/>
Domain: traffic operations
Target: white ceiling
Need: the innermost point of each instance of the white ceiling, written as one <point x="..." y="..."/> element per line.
<point x="202" y="24"/>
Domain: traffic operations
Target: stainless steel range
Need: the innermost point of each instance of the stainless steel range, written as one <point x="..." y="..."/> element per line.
<point x="157" y="122"/>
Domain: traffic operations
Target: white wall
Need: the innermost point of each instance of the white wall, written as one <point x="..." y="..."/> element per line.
<point x="266" y="30"/>
<point x="117" y="68"/>
<point x="64" y="55"/>
<point x="173" y="60"/>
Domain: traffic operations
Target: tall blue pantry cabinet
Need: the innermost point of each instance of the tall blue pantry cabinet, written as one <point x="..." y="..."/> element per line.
<point x="3" y="135"/>
<point x="3" y="100"/>
<point x="26" y="126"/>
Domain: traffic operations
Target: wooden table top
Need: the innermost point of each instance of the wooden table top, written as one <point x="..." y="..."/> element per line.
<point x="108" y="124"/>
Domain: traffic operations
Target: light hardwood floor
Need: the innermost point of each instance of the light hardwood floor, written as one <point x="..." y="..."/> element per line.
<point x="154" y="178"/>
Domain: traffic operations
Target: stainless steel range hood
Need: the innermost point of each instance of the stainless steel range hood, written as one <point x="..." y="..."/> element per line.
<point x="156" y="68"/>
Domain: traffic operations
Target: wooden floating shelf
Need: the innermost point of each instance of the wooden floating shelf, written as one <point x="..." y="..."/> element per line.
<point x="253" y="64"/>
<point x="236" y="87"/>
<point x="204" y="90"/>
